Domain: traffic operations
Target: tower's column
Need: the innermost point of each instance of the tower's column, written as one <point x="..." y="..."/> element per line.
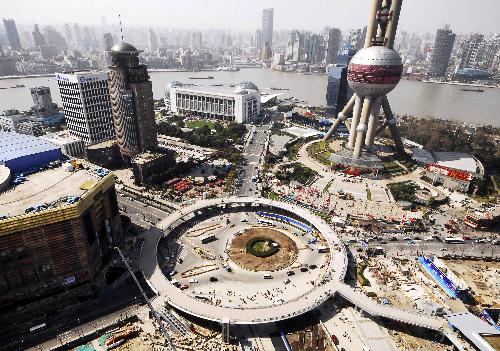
<point x="361" y="128"/>
<point x="390" y="34"/>
<point x="391" y="122"/>
<point x="372" y="123"/>
<point x="342" y="117"/>
<point x="371" y="29"/>
<point x="356" y="113"/>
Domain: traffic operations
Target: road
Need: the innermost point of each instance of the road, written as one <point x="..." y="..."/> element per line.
<point x="139" y="212"/>
<point x="254" y="155"/>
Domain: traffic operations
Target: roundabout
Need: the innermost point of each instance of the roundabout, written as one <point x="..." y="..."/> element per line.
<point x="222" y="260"/>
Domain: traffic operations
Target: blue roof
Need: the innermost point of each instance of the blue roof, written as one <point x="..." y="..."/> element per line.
<point x="15" y="145"/>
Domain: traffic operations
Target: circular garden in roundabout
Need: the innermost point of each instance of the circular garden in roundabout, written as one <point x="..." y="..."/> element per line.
<point x="262" y="249"/>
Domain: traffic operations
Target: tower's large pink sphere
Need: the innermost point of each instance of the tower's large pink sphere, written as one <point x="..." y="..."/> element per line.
<point x="374" y="71"/>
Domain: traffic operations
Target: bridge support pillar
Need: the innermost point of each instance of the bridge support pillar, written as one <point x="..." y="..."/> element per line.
<point x="226" y="335"/>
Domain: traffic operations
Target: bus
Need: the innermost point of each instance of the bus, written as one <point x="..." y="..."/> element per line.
<point x="264" y="222"/>
<point x="38" y="327"/>
<point x="452" y="240"/>
<point x="208" y="238"/>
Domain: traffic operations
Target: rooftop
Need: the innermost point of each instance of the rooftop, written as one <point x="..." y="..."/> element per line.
<point x="45" y="187"/>
<point x="124" y="48"/>
<point x="457" y="160"/>
<point x="15" y="145"/>
<point x="215" y="90"/>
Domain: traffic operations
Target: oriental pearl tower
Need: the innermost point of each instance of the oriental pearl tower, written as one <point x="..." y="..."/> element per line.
<point x="373" y="72"/>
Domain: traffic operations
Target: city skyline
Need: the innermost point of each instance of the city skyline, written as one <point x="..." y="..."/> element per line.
<point x="245" y="16"/>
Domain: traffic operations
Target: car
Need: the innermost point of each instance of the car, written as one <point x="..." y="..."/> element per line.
<point x="172" y="273"/>
<point x="393" y="239"/>
<point x="193" y="280"/>
<point x="213" y="279"/>
<point x="304" y="269"/>
<point x="383" y="242"/>
<point x="184" y="287"/>
<point x="290" y="273"/>
<point x="406" y="238"/>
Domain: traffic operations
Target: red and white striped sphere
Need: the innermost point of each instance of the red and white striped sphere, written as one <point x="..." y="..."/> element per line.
<point x="374" y="71"/>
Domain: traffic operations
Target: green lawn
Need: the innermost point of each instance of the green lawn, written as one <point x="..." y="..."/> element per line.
<point x="320" y="151"/>
<point x="199" y="124"/>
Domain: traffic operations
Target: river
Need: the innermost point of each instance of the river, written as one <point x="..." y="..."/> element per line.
<point x="410" y="97"/>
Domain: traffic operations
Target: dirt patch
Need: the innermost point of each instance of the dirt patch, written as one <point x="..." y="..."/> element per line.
<point x="284" y="257"/>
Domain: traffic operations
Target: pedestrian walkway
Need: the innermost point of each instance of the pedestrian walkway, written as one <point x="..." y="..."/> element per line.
<point x="377" y="310"/>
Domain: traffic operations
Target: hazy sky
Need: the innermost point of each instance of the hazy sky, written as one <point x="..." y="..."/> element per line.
<point x="417" y="15"/>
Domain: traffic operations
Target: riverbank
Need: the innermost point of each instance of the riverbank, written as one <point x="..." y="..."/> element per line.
<point x="475" y="85"/>
<point x="28" y="76"/>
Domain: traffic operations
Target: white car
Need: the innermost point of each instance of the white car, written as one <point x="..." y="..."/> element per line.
<point x="193" y="280"/>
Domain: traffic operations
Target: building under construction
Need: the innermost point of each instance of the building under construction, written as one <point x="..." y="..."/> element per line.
<point x="57" y="230"/>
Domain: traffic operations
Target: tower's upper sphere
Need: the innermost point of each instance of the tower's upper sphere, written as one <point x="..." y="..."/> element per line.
<point x="374" y="71"/>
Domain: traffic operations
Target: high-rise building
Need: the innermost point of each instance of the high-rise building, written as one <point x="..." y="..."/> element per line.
<point x="333" y="41"/>
<point x="38" y="37"/>
<point x="12" y="34"/>
<point x="258" y="39"/>
<point x="43" y="105"/>
<point x="267" y="26"/>
<point x="196" y="41"/>
<point x="87" y="107"/>
<point x="337" y="90"/>
<point x="108" y="41"/>
<point x="49" y="51"/>
<point x="295" y="46"/>
<point x="469" y="51"/>
<point x="316" y="49"/>
<point x="441" y="51"/>
<point x="78" y="34"/>
<point x="267" y="52"/>
<point x="7" y="65"/>
<point x="132" y="102"/>
<point x="67" y="33"/>
<point x="357" y="38"/>
<point x="487" y="51"/>
<point x="55" y="38"/>
<point x="153" y="41"/>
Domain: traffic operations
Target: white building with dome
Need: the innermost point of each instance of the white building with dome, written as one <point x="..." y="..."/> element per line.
<point x="239" y="104"/>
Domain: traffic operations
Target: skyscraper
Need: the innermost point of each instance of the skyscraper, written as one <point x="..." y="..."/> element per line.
<point x="153" y="41"/>
<point x="108" y="41"/>
<point x="78" y="34"/>
<point x="38" y="37"/>
<point x="67" y="33"/>
<point x="12" y="34"/>
<point x="267" y="26"/>
<point x="295" y="46"/>
<point x="258" y="39"/>
<point x="333" y="40"/>
<point x="469" y="51"/>
<point x="441" y="51"/>
<point x="87" y="108"/>
<point x="132" y="102"/>
<point x="196" y="41"/>
<point x="337" y="90"/>
<point x="55" y="38"/>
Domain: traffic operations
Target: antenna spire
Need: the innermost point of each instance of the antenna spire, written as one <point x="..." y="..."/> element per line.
<point x="121" y="27"/>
